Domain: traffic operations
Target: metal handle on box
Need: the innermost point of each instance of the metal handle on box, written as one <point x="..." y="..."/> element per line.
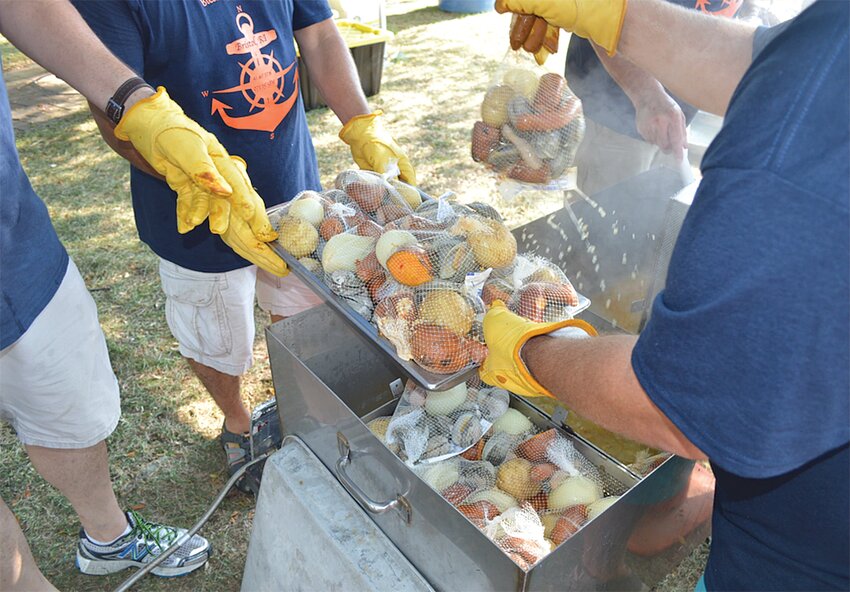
<point x="399" y="503"/>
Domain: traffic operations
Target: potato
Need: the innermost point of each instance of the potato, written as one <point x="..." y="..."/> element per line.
<point x="494" y="108"/>
<point x="514" y="478"/>
<point x="447" y="309"/>
<point x="297" y="236"/>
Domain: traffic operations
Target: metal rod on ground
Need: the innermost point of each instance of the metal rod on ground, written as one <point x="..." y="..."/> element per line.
<point x="129" y="582"/>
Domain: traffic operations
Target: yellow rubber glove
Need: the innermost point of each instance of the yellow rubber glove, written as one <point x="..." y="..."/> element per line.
<point x="193" y="162"/>
<point x="505" y="333"/>
<point x="598" y="20"/>
<point x="373" y="148"/>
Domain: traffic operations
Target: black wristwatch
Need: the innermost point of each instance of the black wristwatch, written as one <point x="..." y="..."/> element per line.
<point x="115" y="105"/>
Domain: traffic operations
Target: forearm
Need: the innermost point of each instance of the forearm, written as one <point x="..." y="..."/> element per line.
<point x="594" y="378"/>
<point x="699" y="58"/>
<point x="636" y="83"/>
<point x="332" y="70"/>
<point x="53" y="34"/>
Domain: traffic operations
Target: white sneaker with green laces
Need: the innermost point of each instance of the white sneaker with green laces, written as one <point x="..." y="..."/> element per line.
<point x="143" y="544"/>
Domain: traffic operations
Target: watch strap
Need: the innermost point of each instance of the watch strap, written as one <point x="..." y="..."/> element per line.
<point x="115" y="105"/>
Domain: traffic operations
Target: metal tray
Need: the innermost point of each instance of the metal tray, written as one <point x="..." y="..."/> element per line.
<point x="429" y="380"/>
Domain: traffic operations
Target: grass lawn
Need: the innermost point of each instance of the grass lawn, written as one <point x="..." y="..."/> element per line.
<point x="165" y="459"/>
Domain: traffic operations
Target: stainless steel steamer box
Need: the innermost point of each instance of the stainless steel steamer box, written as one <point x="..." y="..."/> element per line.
<point x="331" y="378"/>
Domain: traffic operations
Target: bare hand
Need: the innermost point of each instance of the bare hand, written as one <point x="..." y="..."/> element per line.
<point x="661" y="122"/>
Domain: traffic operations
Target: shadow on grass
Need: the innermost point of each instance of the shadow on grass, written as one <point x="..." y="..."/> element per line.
<point x="419" y="18"/>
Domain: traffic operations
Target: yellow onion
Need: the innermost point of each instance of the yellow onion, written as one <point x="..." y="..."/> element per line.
<point x="513" y="422"/>
<point x="600" y="505"/>
<point x="308" y="209"/>
<point x="343" y="250"/>
<point x="444" y="402"/>
<point x="573" y="491"/>
<point x="390" y="242"/>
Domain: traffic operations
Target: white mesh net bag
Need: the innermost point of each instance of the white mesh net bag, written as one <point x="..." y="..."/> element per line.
<point x="531" y="124"/>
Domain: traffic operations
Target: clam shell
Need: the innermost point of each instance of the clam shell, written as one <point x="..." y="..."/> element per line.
<point x="517" y="107"/>
<point x="486" y="210"/>
<point x="466" y="430"/>
<point x="436" y="446"/>
<point x="345" y="283"/>
<point x="499" y="447"/>
<point x="427" y="209"/>
<point x="440" y="424"/>
<point x="456" y="262"/>
<point x="478" y="475"/>
<point x="546" y="144"/>
<point x="503" y="157"/>
<point x="493" y="403"/>
<point x="570" y="138"/>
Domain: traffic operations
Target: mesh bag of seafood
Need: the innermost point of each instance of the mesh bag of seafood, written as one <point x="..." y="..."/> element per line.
<point x="527" y="490"/>
<point x="381" y="197"/>
<point x="437" y="325"/>
<point x="430" y="426"/>
<point x="445" y="209"/>
<point x="346" y="261"/>
<point x="491" y="242"/>
<point x="531" y="126"/>
<point x="534" y="288"/>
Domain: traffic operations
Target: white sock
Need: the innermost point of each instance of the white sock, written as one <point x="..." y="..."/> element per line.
<point x="102" y="544"/>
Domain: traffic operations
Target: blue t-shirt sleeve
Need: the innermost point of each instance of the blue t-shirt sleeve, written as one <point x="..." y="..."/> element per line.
<point x="743" y="345"/>
<point x="309" y="12"/>
<point x="764" y="35"/>
<point x="116" y="23"/>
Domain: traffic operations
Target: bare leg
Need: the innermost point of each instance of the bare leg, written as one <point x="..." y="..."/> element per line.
<point x="226" y="390"/>
<point x="18" y="570"/>
<point x="276" y="318"/>
<point x="82" y="475"/>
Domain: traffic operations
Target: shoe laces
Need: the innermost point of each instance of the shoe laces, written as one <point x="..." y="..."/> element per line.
<point x="160" y="534"/>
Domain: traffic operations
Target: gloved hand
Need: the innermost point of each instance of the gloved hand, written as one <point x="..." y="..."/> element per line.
<point x="248" y="237"/>
<point x="597" y="20"/>
<point x="505" y="333"/>
<point x="373" y="147"/>
<point x="195" y="165"/>
<point x="239" y="237"/>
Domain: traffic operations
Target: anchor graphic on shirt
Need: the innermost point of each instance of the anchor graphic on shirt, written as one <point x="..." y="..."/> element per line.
<point x="261" y="81"/>
<point x="728" y="8"/>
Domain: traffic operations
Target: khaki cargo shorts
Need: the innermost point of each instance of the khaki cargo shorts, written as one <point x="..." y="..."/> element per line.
<point x="212" y="314"/>
<point x="57" y="388"/>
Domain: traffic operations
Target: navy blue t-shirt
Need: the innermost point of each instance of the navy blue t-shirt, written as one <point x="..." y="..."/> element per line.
<point x="603" y="100"/>
<point x="747" y="348"/>
<point x="231" y="65"/>
<point x="32" y="260"/>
